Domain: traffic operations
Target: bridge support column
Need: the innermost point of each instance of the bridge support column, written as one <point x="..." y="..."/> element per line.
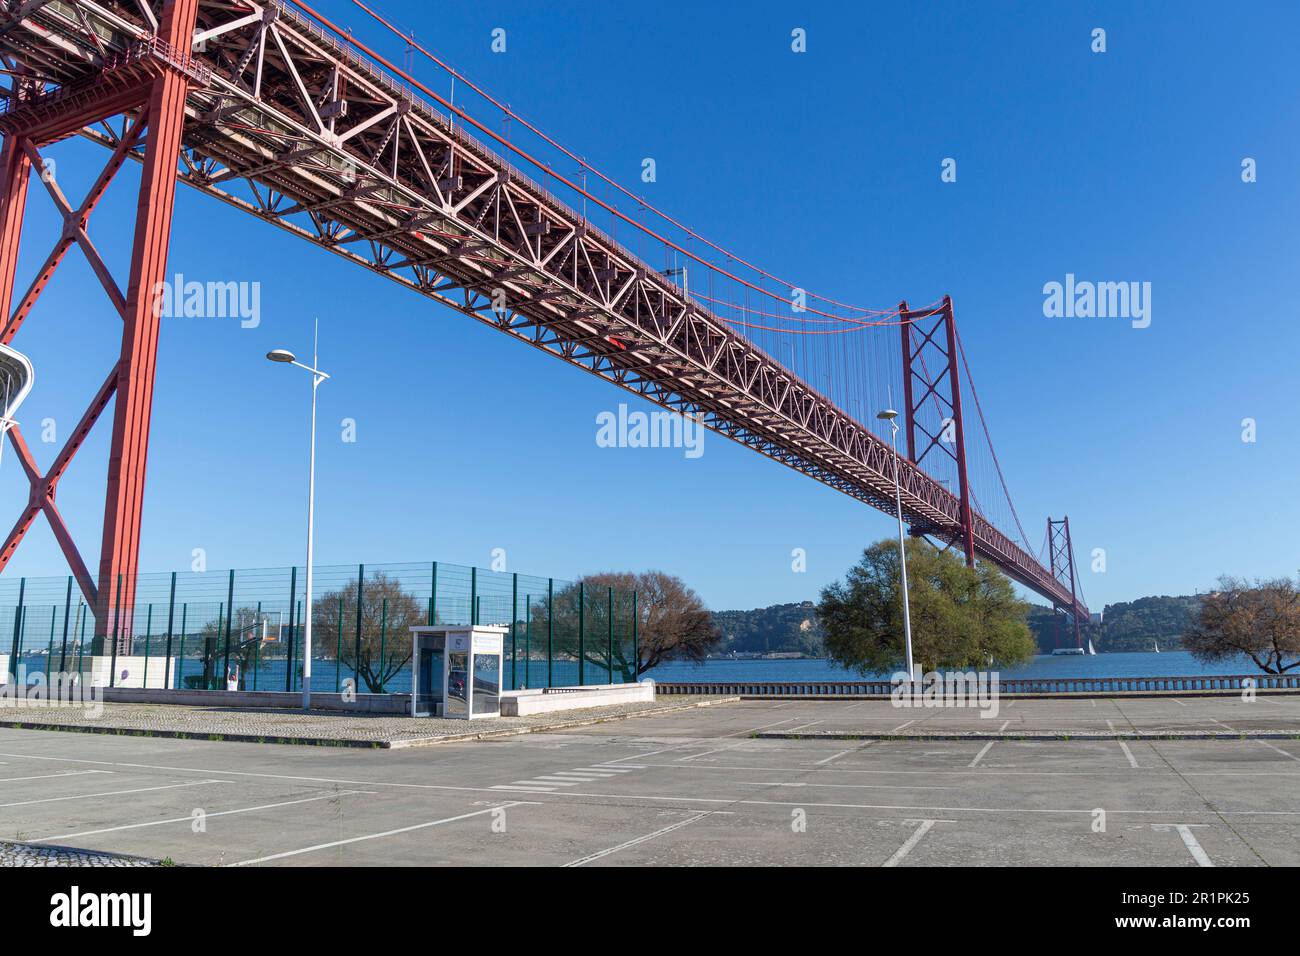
<point x="120" y="550"/>
<point x="930" y="337"/>
<point x="1060" y="554"/>
<point x="150" y="85"/>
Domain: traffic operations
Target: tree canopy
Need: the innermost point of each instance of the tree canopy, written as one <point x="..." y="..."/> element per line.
<point x="961" y="617"/>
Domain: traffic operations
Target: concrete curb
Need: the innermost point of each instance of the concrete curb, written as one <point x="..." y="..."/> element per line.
<point x="1043" y="735"/>
<point x="297" y="740"/>
<point x="1038" y="695"/>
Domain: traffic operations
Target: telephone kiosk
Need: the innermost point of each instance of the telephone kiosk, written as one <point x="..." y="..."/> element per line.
<point x="456" y="670"/>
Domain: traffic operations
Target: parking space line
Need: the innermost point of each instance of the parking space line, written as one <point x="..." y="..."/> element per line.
<point x="51" y="776"/>
<point x="1005" y="723"/>
<point x="642" y="839"/>
<point x="111" y="793"/>
<point x="842" y="753"/>
<point x="793" y="730"/>
<point x="385" y="833"/>
<point x="1177" y="701"/>
<point x="980" y="756"/>
<point x="901" y="726"/>
<point x="1132" y="761"/>
<point x="901" y="853"/>
<point x="737" y="733"/>
<point x="207" y="816"/>
<point x="1193" y="847"/>
<point x="1278" y="749"/>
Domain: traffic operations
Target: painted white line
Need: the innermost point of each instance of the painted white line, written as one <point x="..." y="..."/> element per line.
<point x="1132" y="761"/>
<point x="558" y="781"/>
<point x="1004" y="726"/>
<point x="639" y="840"/>
<point x="1222" y="724"/>
<point x="588" y="774"/>
<point x="1279" y="750"/>
<point x="901" y="853"/>
<point x="513" y="788"/>
<point x="377" y="836"/>
<point x="842" y="786"/>
<point x="980" y="756"/>
<point x="1193" y="847"/>
<point x="901" y="726"/>
<point x="738" y="733"/>
<point x="614" y="769"/>
<point x="1177" y="701"/>
<point x="705" y="753"/>
<point x="190" y="819"/>
<point x="111" y="793"/>
<point x="51" y="776"/>
<point x="842" y="753"/>
<point x="804" y="726"/>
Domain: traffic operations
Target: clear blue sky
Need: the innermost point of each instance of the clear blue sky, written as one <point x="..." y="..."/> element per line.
<point x="824" y="167"/>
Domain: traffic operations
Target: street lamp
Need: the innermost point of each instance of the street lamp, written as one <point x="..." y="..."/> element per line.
<point x="889" y="415"/>
<point x="317" y="376"/>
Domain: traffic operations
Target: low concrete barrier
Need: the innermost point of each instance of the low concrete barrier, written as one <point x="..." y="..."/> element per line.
<point x="363" y="703"/>
<point x="1026" y="686"/>
<point x="522" y="703"/>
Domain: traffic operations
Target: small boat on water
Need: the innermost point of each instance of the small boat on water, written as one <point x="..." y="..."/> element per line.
<point x="1068" y="652"/>
<point x="1091" y="650"/>
<point x="1156" y="644"/>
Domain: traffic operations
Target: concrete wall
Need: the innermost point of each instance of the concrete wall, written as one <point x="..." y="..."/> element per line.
<point x="131" y="671"/>
<point x="522" y="703"/>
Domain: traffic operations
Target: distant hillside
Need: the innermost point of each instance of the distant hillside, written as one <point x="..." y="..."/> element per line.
<point x="783" y="628"/>
<point x="1128" y="626"/>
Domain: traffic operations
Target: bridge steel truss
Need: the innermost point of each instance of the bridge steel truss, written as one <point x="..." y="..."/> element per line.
<point x="289" y="123"/>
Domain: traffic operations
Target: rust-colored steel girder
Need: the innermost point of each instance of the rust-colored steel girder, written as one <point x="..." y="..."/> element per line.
<point x="301" y="126"/>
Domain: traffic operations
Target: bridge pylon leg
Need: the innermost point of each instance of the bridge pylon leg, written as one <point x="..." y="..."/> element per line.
<point x="156" y="98"/>
<point x="929" y="336"/>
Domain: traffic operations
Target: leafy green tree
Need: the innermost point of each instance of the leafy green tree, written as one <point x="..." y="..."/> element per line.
<point x="961" y="617"/>
<point x="1260" y="621"/>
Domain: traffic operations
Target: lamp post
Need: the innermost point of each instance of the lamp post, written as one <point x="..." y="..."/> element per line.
<point x="889" y="415"/>
<point x="317" y="376"/>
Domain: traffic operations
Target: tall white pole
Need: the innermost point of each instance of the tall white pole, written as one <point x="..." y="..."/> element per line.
<point x="311" y="520"/>
<point x="902" y="560"/>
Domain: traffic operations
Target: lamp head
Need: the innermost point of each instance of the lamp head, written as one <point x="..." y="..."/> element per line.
<point x="281" y="355"/>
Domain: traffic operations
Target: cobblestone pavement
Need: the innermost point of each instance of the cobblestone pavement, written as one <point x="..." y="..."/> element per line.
<point x="322" y="727"/>
<point x="22" y="854"/>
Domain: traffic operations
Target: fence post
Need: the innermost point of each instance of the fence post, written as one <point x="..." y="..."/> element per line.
<point x="338" y="649"/>
<point x="230" y="614"/>
<point x="67" y="609"/>
<point x="433" y="597"/>
<point x="610" y="657"/>
<point x="81" y="641"/>
<point x="582" y="633"/>
<point x="117" y="616"/>
<point x="288" y="655"/>
<point x="550" y="632"/>
<point x="356" y="669"/>
<point x="383" y="634"/>
<point x="18" y="621"/>
<point x="49" y="650"/>
<point x="473" y="595"/>
<point x="148" y="632"/>
<point x="257" y="645"/>
<point x="514" y="627"/>
<point x="636" y="650"/>
<point x="180" y="657"/>
<point x="171" y="617"/>
<point x="528" y="637"/>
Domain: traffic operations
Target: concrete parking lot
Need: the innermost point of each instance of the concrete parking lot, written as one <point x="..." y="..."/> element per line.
<point x="691" y="787"/>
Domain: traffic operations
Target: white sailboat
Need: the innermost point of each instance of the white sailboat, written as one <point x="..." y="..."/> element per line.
<point x="1091" y="650"/>
<point x="1157" y="645"/>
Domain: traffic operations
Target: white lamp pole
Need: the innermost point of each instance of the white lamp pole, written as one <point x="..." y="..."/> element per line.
<point x="890" y="415"/>
<point x="317" y="376"/>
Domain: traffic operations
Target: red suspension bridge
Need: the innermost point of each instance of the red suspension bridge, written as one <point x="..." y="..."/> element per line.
<point x="273" y="109"/>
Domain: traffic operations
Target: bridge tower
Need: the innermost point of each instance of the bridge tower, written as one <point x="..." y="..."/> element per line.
<point x="1060" y="553"/>
<point x="147" y="86"/>
<point x="930" y="375"/>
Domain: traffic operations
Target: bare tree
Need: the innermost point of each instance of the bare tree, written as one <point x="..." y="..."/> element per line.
<point x="1260" y="621"/>
<point x="387" y="615"/>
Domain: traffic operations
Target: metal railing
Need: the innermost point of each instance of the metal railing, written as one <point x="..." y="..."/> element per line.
<point x="1007" y="686"/>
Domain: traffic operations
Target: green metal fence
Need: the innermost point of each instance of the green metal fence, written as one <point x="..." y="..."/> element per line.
<point x="198" y="629"/>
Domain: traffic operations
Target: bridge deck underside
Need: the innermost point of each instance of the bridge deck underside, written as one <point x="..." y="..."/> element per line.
<point x="390" y="184"/>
